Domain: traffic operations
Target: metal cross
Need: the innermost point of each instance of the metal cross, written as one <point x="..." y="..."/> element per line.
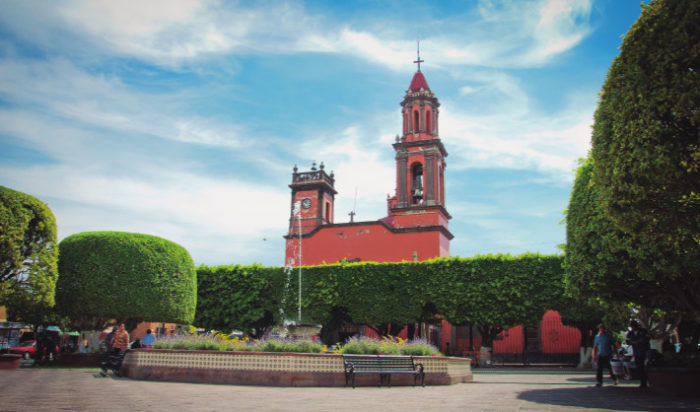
<point x="419" y="61"/>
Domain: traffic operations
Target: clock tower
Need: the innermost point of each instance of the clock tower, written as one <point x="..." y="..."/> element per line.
<point x="313" y="196"/>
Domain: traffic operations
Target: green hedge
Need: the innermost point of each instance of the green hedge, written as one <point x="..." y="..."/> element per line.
<point x="126" y="275"/>
<point x="500" y="290"/>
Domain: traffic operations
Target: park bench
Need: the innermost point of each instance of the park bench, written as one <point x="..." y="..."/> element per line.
<point x="382" y="365"/>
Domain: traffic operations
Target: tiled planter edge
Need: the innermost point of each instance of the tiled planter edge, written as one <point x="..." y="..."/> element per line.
<point x="274" y="369"/>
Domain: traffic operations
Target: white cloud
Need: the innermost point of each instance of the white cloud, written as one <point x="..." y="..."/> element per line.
<point x="511" y="134"/>
<point x="60" y="87"/>
<point x="362" y="162"/>
<point x="175" y="33"/>
<point x="185" y="208"/>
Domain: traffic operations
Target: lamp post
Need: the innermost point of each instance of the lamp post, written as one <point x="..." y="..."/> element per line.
<point x="297" y="214"/>
<point x="299" y="219"/>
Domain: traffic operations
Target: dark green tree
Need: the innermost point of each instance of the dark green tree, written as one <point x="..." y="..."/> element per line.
<point x="646" y="147"/>
<point x="602" y="261"/>
<point x="127" y="276"/>
<point x="28" y="255"/>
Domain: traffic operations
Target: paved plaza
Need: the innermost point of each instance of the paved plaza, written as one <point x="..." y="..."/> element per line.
<point x="50" y="389"/>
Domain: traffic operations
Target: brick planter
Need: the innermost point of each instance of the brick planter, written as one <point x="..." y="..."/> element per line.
<point x="274" y="369"/>
<point x="10" y="361"/>
<point x="79" y="360"/>
<point x="675" y="381"/>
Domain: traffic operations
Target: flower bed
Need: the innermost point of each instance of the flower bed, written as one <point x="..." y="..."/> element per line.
<point x="358" y="346"/>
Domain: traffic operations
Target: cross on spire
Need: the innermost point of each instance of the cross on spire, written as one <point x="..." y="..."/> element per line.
<point x="419" y="61"/>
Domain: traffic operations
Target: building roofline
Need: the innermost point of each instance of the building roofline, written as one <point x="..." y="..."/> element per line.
<point x="431" y="228"/>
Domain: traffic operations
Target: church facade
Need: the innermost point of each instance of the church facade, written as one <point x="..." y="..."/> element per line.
<point x="416" y="227"/>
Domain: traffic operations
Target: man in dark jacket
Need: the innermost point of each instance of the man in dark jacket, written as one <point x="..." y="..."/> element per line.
<point x="638" y="337"/>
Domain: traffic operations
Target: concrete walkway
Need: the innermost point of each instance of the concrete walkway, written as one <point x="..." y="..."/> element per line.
<point x="50" y="389"/>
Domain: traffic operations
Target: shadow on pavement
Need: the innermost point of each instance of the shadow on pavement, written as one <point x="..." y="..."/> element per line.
<point x="590" y="379"/>
<point x="609" y="397"/>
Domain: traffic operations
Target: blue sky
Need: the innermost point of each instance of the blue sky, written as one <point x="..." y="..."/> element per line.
<point x="183" y="119"/>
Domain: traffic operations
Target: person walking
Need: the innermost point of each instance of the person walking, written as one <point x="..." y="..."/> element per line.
<point x="121" y="339"/>
<point x="603" y="349"/>
<point x="638" y="337"/>
<point x="119" y="346"/>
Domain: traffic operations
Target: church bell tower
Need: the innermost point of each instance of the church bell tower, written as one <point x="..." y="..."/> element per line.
<point x="420" y="158"/>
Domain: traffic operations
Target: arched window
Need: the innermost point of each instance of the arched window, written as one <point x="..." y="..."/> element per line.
<point x="416" y="121"/>
<point x="416" y="184"/>
<point x="427" y="121"/>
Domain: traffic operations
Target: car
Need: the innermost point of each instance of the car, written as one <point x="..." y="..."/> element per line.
<point x="27" y="349"/>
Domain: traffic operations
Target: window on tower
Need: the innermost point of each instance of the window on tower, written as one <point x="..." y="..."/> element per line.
<point x="417" y="184"/>
<point x="427" y="121"/>
<point x="416" y="121"/>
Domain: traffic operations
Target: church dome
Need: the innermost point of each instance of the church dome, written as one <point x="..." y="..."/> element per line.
<point x="418" y="82"/>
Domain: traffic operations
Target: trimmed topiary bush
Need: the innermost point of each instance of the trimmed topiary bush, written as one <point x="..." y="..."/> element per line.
<point x="126" y="275"/>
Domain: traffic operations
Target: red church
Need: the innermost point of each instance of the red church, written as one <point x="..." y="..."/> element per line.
<point x="416" y="226"/>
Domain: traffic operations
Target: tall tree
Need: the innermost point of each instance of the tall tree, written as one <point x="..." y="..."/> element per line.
<point x="646" y="146"/>
<point x="602" y="261"/>
<point x="28" y="251"/>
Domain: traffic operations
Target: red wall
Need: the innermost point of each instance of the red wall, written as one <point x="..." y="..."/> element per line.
<point x="557" y="338"/>
<point x="367" y="241"/>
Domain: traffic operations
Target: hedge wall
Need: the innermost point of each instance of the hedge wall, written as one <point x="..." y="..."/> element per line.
<point x="499" y="290"/>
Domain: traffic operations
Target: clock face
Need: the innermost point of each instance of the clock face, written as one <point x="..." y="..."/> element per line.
<point x="306" y="203"/>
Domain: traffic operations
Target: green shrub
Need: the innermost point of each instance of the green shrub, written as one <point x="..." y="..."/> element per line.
<point x="387" y="346"/>
<point x="274" y="345"/>
<point x="126" y="275"/>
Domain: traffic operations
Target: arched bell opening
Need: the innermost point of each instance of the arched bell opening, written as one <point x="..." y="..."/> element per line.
<point x="417" y="184"/>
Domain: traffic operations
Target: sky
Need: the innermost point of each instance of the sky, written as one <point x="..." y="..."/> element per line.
<point x="183" y="119"/>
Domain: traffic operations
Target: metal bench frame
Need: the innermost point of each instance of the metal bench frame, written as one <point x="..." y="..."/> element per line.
<point x="382" y="365"/>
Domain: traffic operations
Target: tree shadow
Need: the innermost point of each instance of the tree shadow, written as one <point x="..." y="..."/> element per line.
<point x="610" y="397"/>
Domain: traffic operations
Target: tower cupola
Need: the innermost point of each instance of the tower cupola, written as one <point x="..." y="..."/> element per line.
<point x="420" y="155"/>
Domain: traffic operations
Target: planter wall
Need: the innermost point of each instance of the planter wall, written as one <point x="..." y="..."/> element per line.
<point x="79" y="360"/>
<point x="10" y="361"/>
<point x="675" y="381"/>
<point x="274" y="369"/>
